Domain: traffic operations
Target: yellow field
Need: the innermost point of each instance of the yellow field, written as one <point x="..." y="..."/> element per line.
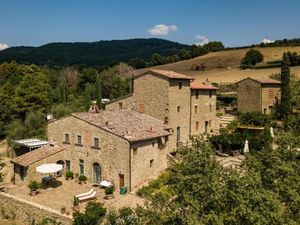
<point x="224" y="66"/>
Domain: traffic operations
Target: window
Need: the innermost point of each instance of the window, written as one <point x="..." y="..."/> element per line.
<point x="135" y="151"/>
<point x="166" y="139"/>
<point x="67" y="138"/>
<point x="79" y="140"/>
<point x="68" y="165"/>
<point x="271" y="93"/>
<point x="81" y="166"/>
<point x="197" y="94"/>
<point x="96" y="142"/>
<point x="210" y="108"/>
<point x="210" y="94"/>
<point x="197" y="125"/>
<point x="178" y="108"/>
<point x="180" y="85"/>
<point x="120" y="105"/>
<point x="151" y="162"/>
<point x="196" y="109"/>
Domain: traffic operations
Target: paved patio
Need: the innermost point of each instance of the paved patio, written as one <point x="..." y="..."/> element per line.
<point x="61" y="195"/>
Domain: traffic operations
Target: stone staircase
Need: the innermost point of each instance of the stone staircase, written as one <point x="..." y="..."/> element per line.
<point x="226" y="119"/>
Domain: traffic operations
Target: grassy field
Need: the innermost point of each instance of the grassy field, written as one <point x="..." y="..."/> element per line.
<point x="223" y="67"/>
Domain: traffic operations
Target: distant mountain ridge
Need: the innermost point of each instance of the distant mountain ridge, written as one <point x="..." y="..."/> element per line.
<point x="100" y="53"/>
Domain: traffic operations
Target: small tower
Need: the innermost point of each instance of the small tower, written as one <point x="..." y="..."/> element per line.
<point x="94" y="107"/>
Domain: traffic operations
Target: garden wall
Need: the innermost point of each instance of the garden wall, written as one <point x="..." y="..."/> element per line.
<point x="19" y="209"/>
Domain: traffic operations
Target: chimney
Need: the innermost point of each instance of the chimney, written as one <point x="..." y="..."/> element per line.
<point x="94" y="107"/>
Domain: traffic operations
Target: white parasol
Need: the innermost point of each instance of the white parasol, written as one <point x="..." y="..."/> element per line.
<point x="49" y="168"/>
<point x="246" y="147"/>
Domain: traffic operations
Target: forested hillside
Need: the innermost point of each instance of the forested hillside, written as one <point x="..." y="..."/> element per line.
<point x="100" y="54"/>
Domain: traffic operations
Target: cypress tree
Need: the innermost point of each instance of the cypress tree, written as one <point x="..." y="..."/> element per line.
<point x="285" y="103"/>
<point x="98" y="92"/>
<point x="87" y="96"/>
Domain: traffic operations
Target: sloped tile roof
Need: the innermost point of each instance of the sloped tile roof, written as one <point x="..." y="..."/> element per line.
<point x="36" y="155"/>
<point x="167" y="73"/>
<point x="262" y="80"/>
<point x="195" y="85"/>
<point x="126" y="123"/>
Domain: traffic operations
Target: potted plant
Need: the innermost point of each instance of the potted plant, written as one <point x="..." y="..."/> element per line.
<point x="109" y="192"/>
<point x="69" y="175"/>
<point x="82" y="178"/>
<point x="63" y="210"/>
<point x="75" y="204"/>
<point x="33" y="186"/>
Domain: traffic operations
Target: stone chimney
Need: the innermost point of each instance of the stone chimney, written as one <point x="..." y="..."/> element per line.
<point x="94" y="107"/>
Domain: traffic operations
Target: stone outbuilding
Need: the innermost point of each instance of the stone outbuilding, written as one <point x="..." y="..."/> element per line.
<point x="257" y="95"/>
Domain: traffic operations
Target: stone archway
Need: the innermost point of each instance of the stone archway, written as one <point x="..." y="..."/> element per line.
<point x="96" y="173"/>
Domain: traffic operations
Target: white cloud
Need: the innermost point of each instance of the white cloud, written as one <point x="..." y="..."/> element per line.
<point x="3" y="46"/>
<point x="201" y="40"/>
<point x="266" y="41"/>
<point x="162" y="30"/>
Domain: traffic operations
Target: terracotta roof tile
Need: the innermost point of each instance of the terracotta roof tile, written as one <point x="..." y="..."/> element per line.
<point x="126" y="123"/>
<point x="195" y="85"/>
<point x="167" y="73"/>
<point x="36" y="155"/>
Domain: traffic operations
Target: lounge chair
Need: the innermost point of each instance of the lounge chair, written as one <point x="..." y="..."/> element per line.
<point x="88" y="197"/>
<point x="85" y="194"/>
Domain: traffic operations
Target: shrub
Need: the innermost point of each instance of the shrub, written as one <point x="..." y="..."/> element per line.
<point x="93" y="215"/>
<point x="69" y="174"/>
<point x="82" y="178"/>
<point x="109" y="190"/>
<point x="254" y="119"/>
<point x="34" y="185"/>
<point x="75" y="201"/>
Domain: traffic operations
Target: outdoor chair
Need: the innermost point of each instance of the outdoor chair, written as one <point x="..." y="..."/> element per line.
<point x="85" y="194"/>
<point x="88" y="197"/>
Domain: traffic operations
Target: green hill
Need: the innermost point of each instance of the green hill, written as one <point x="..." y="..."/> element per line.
<point x="100" y="53"/>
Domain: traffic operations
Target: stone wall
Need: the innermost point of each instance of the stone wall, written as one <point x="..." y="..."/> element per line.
<point x="112" y="155"/>
<point x="203" y="109"/>
<point x="179" y="97"/>
<point x="141" y="155"/>
<point x="18" y="209"/>
<point x="269" y="94"/>
<point x="31" y="173"/>
<point x="249" y="96"/>
<point x="125" y="102"/>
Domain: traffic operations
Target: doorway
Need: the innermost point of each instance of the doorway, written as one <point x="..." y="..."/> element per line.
<point x="96" y="173"/>
<point x="121" y="180"/>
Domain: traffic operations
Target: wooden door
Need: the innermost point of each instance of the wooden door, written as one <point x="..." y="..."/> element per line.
<point x="121" y="180"/>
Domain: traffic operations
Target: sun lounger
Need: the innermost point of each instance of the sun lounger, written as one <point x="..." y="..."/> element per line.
<point x="88" y="197"/>
<point x="85" y="194"/>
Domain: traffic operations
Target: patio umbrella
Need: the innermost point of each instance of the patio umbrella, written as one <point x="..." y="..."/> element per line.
<point x="49" y="168"/>
<point x="272" y="132"/>
<point x="246" y="147"/>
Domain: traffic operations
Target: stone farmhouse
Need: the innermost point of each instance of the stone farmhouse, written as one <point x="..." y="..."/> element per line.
<point x="257" y="95"/>
<point x="187" y="107"/>
<point x="130" y="141"/>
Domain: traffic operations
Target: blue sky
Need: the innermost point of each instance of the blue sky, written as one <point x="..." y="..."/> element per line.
<point x="235" y="22"/>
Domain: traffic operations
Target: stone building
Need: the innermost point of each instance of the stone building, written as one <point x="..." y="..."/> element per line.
<point x="25" y="165"/>
<point x="130" y="140"/>
<point x="169" y="97"/>
<point x="203" y="108"/>
<point x="257" y="95"/>
<point x="123" y="146"/>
